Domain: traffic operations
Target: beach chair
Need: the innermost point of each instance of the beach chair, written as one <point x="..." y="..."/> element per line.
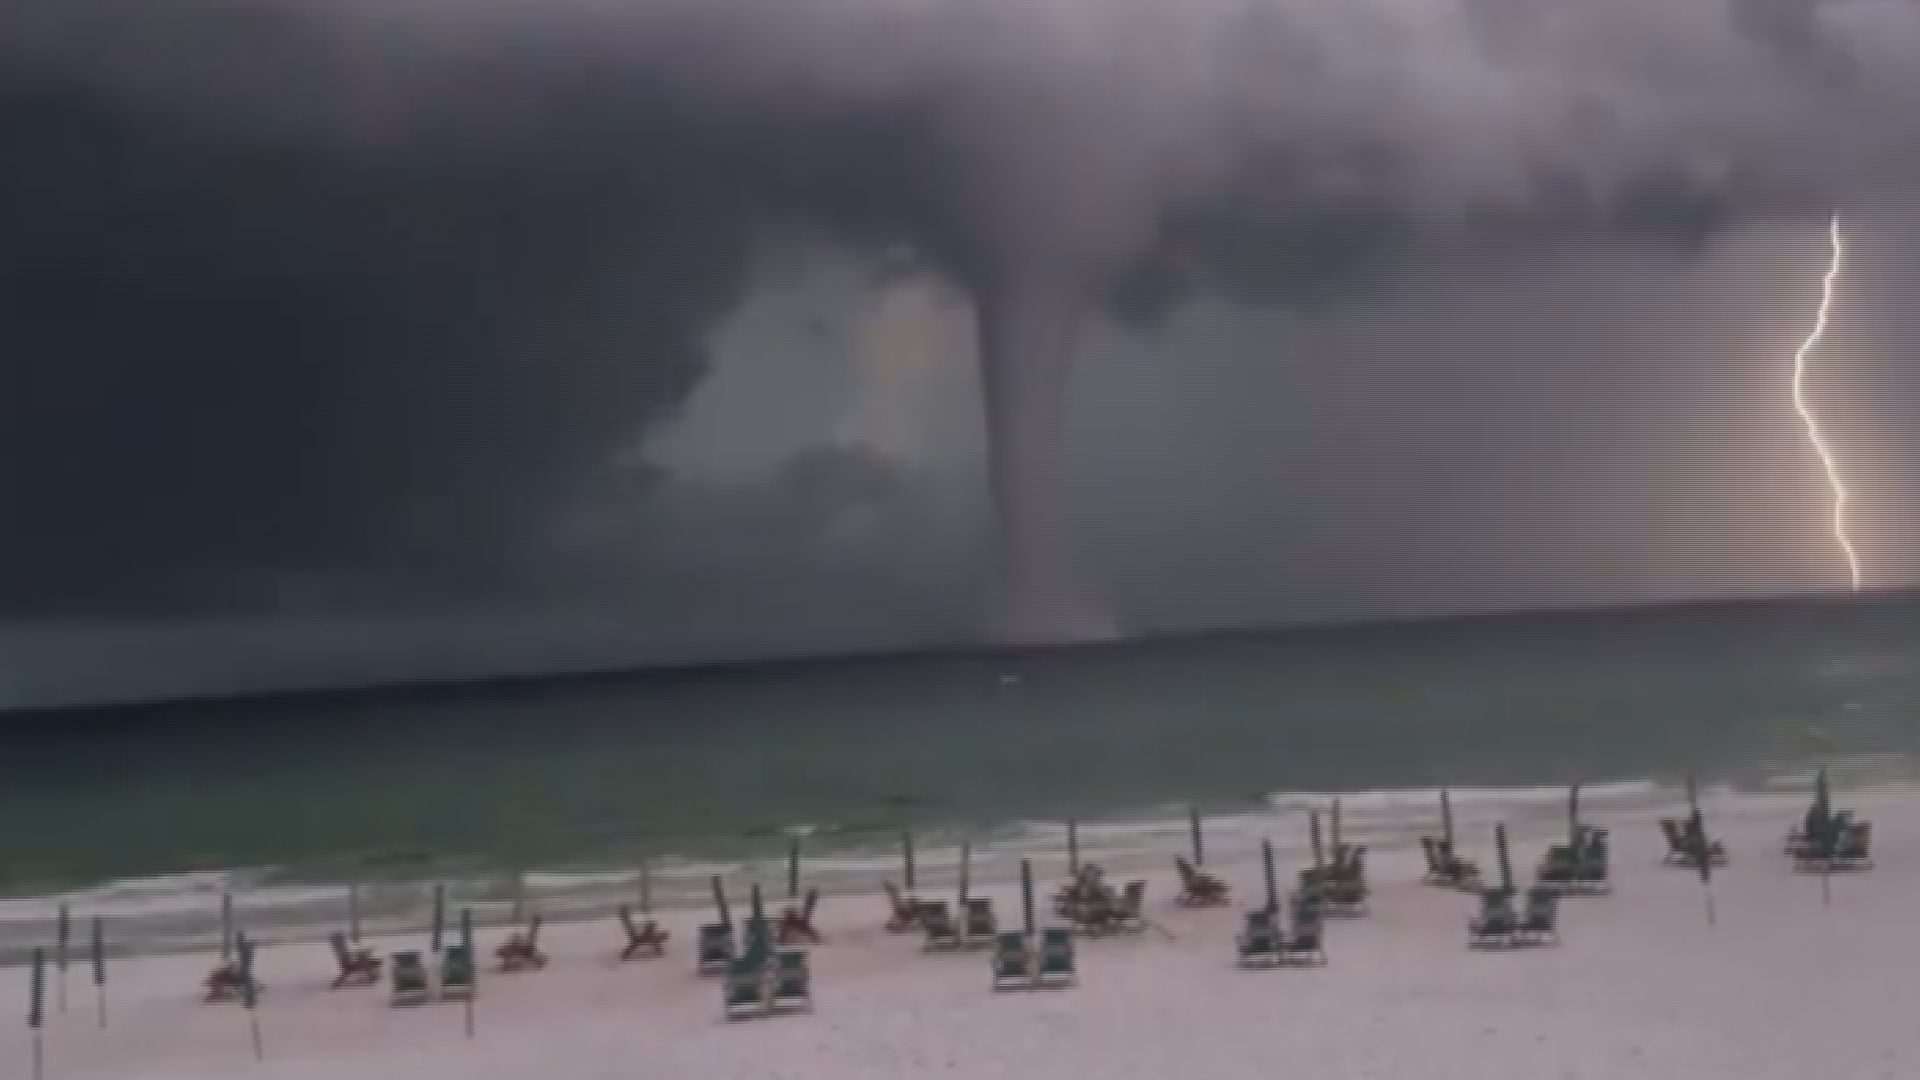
<point x="1539" y="924"/>
<point x="1012" y="961"/>
<point x="1344" y="887"/>
<point x="942" y="934"/>
<point x="1306" y="905"/>
<point x="224" y="983"/>
<point x="1258" y="944"/>
<point x="746" y="992"/>
<point x="1683" y="846"/>
<point x="521" y="951"/>
<point x="409" y="980"/>
<point x="1446" y="869"/>
<point x="1306" y="946"/>
<point x="456" y="974"/>
<point x="1494" y="927"/>
<point x="1198" y="888"/>
<point x="714" y="950"/>
<point x="1056" y="967"/>
<point x="643" y="940"/>
<point x="796" y="923"/>
<point x="906" y="910"/>
<point x="792" y="983"/>
<point x="1127" y="914"/>
<point x="358" y="967"/>
<point x="978" y="922"/>
<point x="1848" y="848"/>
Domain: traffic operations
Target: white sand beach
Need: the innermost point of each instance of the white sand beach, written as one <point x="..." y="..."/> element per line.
<point x="1784" y="988"/>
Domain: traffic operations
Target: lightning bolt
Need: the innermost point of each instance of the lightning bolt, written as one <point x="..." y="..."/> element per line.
<point x="1837" y="244"/>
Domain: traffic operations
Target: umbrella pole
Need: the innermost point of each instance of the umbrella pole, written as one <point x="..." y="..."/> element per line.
<point x="1073" y="848"/>
<point x="1193" y="827"/>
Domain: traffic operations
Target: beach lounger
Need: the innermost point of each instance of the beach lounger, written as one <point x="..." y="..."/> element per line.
<point x="715" y="948"/>
<point x="1849" y="849"/>
<point x="1012" y="961"/>
<point x="1854" y="850"/>
<point x="796" y="923"/>
<point x="1580" y="867"/>
<point x="1197" y="888"/>
<point x="409" y="980"/>
<point x="942" y="934"/>
<point x="1495" y="925"/>
<point x="1446" y="869"/>
<point x="1306" y="945"/>
<point x="1683" y="847"/>
<point x="792" y="983"/>
<point x="979" y="924"/>
<point x="1540" y="923"/>
<point x="1258" y="944"/>
<point x="224" y="983"/>
<point x="1343" y="888"/>
<point x="1056" y="967"/>
<point x="905" y="910"/>
<point x="358" y="967"/>
<point x="521" y="951"/>
<point x="456" y="974"/>
<point x="1127" y="915"/>
<point x="747" y="991"/>
<point x="642" y="940"/>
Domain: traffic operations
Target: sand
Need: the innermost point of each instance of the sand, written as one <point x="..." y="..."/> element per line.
<point x="1784" y="988"/>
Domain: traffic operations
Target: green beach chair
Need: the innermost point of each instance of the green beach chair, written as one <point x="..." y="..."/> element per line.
<point x="1056" y="967"/>
<point x="358" y="967"/>
<point x="980" y="923"/>
<point x="456" y="973"/>
<point x="1540" y="923"/>
<point x="792" y="983"/>
<point x="1258" y="944"/>
<point x="715" y="950"/>
<point x="942" y="934"/>
<point x="747" y="992"/>
<point x="1306" y="946"/>
<point x="1493" y="928"/>
<point x="410" y="983"/>
<point x="1012" y="961"/>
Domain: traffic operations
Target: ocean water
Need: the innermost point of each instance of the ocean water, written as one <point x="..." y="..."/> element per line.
<point x="562" y="790"/>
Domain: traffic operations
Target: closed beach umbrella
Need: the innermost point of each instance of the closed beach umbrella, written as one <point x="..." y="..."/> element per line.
<point x="906" y="858"/>
<point x="1313" y="826"/>
<point x="793" y="868"/>
<point x="1822" y="799"/>
<point x="720" y="902"/>
<point x="1506" y="859"/>
<point x="1026" y="895"/>
<point x="100" y="969"/>
<point x="1073" y="848"/>
<point x="757" y="938"/>
<point x="1336" y="827"/>
<point x="1193" y="827"/>
<point x="966" y="870"/>
<point x="439" y="929"/>
<point x="37" y="1009"/>
<point x="1573" y="811"/>
<point x="1266" y="863"/>
<point x="1446" y="817"/>
<point x="473" y="964"/>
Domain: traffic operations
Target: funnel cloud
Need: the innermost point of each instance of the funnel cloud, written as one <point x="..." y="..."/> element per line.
<point x="369" y="304"/>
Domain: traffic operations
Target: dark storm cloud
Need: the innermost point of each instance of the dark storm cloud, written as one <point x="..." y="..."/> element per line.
<point x="380" y="286"/>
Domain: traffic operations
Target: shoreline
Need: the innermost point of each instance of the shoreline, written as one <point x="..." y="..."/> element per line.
<point x="178" y="913"/>
<point x="1783" y="988"/>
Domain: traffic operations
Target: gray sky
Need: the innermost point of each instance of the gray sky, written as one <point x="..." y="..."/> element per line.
<point x="649" y="331"/>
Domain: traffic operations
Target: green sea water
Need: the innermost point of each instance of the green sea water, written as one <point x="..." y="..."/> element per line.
<point x="721" y="762"/>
